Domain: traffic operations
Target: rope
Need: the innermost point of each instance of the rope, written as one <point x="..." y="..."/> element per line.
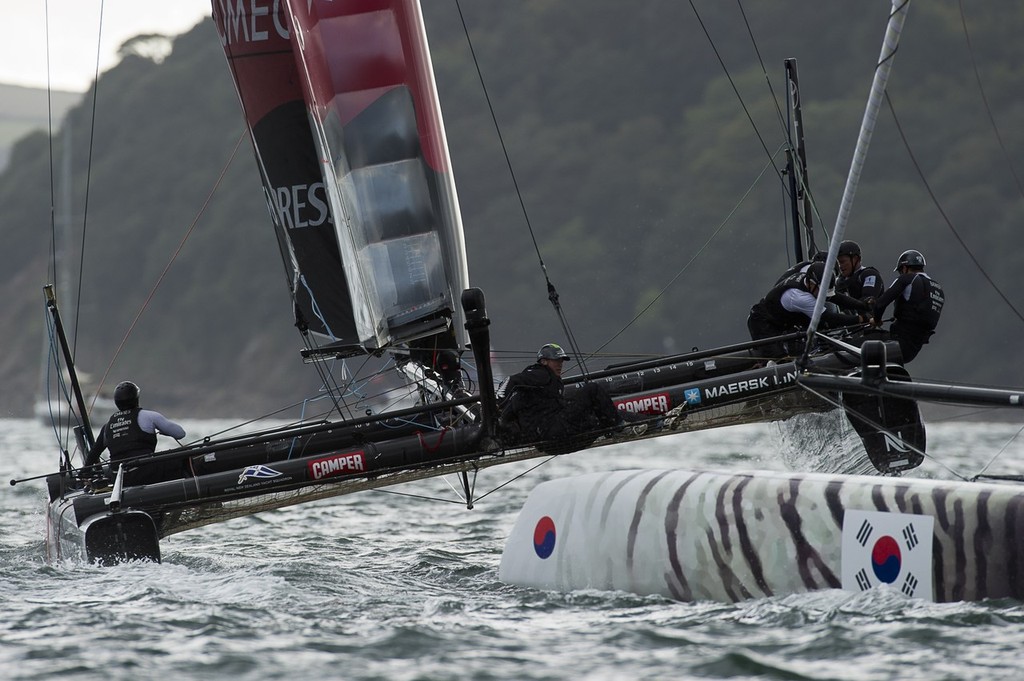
<point x="552" y="291"/>
<point x="167" y="267"/>
<point x="714" y="235"/>
<point x="879" y="427"/>
<point x="942" y="212"/>
<point x="88" y="186"/>
<point x="984" y="99"/>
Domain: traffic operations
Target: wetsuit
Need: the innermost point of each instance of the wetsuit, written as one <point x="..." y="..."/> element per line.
<point x="131" y="433"/>
<point x="864" y="283"/>
<point x="919" y="300"/>
<point x="534" y="408"/>
<point x="786" y="308"/>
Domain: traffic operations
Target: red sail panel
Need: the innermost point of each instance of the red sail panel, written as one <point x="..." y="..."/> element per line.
<point x="365" y="71"/>
<point x="256" y="41"/>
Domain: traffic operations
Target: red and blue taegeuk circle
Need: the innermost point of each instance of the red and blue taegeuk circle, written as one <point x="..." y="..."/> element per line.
<point x="544" y="537"/>
<point x="886" y="560"/>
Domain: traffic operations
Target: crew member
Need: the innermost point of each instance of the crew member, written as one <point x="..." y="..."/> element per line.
<point x="533" y="408"/>
<point x="801" y="267"/>
<point x="131" y="433"/>
<point x="856" y="280"/>
<point x="789" y="306"/>
<point x="919" y="300"/>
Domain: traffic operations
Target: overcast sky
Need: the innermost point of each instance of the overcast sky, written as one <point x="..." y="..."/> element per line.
<point x="74" y="29"/>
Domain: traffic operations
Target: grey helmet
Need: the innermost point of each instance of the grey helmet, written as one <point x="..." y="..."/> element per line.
<point x="551" y="351"/>
<point x="126" y="395"/>
<point x="910" y="258"/>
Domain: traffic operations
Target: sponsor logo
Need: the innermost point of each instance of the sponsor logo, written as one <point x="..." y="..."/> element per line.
<point x="887" y="548"/>
<point x="248" y="21"/>
<point x="337" y="464"/>
<point x="544" y="537"/>
<point x="258" y="472"/>
<point x="748" y="385"/>
<point x="648" y="404"/>
<point x="300" y="205"/>
<point x="692" y="395"/>
<point x="894" y="443"/>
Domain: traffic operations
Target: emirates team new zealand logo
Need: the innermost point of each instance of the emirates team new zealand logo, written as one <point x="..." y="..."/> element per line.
<point x="888" y="548"/>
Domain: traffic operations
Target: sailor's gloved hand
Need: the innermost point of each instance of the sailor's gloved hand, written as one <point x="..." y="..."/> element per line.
<point x="89" y="472"/>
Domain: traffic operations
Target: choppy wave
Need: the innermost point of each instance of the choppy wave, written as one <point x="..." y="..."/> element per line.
<point x="381" y="586"/>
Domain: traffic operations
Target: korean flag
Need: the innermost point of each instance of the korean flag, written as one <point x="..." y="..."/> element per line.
<point x="888" y="548"/>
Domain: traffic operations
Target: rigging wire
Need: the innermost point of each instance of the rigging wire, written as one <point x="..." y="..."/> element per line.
<point x="735" y="88"/>
<point x="942" y="212"/>
<point x="167" y="267"/>
<point x="88" y="181"/>
<point x="53" y="243"/>
<point x="984" y="99"/>
<point x="785" y="127"/>
<point x="714" y="234"/>
<point x="998" y="454"/>
<point x="877" y="426"/>
<point x="552" y="291"/>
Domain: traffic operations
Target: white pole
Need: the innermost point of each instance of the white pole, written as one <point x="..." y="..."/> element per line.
<point x="867" y="127"/>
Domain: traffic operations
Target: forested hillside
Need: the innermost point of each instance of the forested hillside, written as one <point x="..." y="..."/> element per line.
<point x="643" y="173"/>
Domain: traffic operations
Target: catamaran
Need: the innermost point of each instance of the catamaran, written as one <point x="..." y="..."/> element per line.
<point x="346" y="125"/>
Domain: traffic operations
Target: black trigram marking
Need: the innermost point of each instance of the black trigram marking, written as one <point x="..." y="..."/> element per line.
<point x="864" y="533"/>
<point x="909" y="585"/>
<point x="910" y="537"/>
<point x="862" y="580"/>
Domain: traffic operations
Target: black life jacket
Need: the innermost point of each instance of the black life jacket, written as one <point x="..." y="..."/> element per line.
<point x="533" y="400"/>
<point x="923" y="309"/>
<point x="125" y="439"/>
<point x="853" y="285"/>
<point x="771" y="305"/>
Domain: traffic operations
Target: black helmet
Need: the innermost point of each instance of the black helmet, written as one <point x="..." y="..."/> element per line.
<point x="126" y="395"/>
<point x="820" y="256"/>
<point x="552" y="351"/>
<point x="849" y="248"/>
<point x="816" y="273"/>
<point x="910" y="258"/>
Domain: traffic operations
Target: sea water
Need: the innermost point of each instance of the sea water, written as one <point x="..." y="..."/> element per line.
<point x="380" y="585"/>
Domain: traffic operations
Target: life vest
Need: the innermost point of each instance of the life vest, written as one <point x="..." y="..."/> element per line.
<point x="125" y="439"/>
<point x="853" y="285"/>
<point x="924" y="307"/>
<point x="771" y="305"/>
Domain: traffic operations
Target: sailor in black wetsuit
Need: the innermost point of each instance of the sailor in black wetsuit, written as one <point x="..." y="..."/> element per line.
<point x="919" y="300"/>
<point x="130" y="433"/>
<point x="789" y="306"/>
<point x="533" y="408"/>
<point x="856" y="280"/>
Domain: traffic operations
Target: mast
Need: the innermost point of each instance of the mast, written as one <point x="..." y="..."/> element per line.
<point x="799" y="185"/>
<point x="76" y="388"/>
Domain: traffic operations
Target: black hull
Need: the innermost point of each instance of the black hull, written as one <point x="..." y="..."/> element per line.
<point x="275" y="469"/>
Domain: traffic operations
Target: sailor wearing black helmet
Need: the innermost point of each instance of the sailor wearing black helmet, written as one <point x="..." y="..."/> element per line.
<point x="919" y="300"/>
<point x="131" y="433"/>
<point x="789" y="306"/>
<point x="801" y="267"/>
<point x="534" y="409"/>
<point x="856" y="280"/>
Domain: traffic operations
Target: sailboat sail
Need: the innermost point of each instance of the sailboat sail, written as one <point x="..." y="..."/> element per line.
<point x="261" y="63"/>
<point x="343" y="111"/>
